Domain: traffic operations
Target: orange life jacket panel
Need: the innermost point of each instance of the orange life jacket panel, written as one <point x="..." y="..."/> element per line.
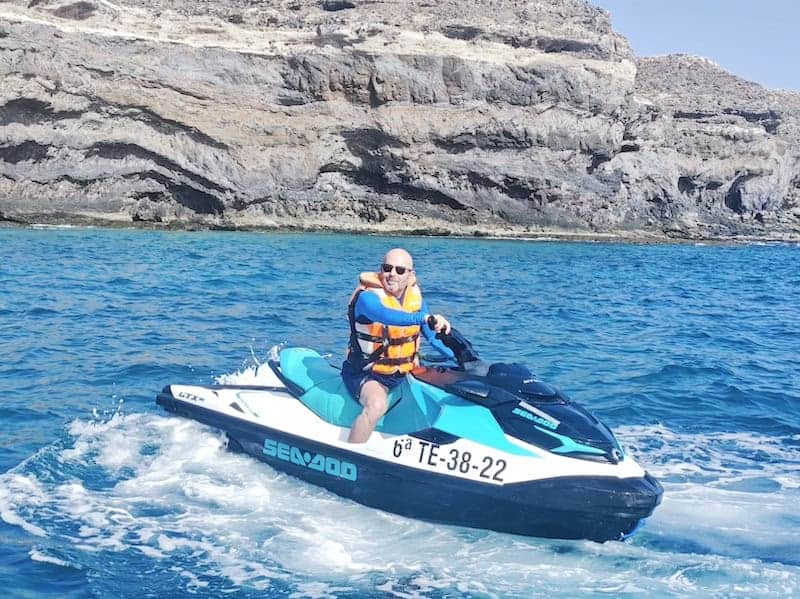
<point x="384" y="349"/>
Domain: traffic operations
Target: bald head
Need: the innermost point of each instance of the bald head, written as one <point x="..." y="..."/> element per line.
<point x="399" y="257"/>
<point x="395" y="282"/>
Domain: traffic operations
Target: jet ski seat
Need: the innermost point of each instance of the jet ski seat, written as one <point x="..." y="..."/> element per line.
<point x="411" y="408"/>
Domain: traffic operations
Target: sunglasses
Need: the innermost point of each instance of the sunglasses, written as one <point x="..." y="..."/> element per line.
<point x="387" y="268"/>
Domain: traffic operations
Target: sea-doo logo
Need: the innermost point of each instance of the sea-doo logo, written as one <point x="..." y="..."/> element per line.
<point x="534" y="418"/>
<point x="314" y="461"/>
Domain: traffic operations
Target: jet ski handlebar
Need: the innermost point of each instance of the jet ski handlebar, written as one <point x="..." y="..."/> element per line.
<point x="460" y="346"/>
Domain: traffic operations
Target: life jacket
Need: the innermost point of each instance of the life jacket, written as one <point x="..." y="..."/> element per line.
<point x="383" y="348"/>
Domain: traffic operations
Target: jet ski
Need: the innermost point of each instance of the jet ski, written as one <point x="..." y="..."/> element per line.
<point x="473" y="444"/>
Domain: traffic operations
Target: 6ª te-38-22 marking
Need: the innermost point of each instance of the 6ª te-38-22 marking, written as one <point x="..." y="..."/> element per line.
<point x="431" y="454"/>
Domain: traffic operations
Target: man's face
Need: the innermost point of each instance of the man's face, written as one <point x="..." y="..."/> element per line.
<point x="395" y="282"/>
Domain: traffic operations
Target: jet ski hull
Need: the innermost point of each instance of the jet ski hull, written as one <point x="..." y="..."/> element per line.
<point x="598" y="508"/>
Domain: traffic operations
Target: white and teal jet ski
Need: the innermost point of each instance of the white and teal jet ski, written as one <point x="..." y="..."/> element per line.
<point x="478" y="445"/>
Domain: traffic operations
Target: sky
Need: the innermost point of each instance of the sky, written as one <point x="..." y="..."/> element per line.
<point x="757" y="40"/>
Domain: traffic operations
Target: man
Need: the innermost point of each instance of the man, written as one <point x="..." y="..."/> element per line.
<point x="387" y="314"/>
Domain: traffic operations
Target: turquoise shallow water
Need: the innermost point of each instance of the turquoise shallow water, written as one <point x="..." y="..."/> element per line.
<point x="688" y="352"/>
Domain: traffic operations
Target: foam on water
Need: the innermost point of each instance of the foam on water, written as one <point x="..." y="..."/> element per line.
<point x="38" y="556"/>
<point x="45" y="226"/>
<point x="732" y="494"/>
<point x="166" y="490"/>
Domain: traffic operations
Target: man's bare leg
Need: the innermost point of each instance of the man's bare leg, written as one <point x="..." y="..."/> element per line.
<point x="374" y="398"/>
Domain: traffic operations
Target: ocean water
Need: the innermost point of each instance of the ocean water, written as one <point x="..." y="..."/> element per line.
<point x="688" y="352"/>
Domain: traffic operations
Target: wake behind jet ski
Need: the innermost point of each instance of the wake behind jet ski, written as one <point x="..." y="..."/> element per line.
<point x="480" y="445"/>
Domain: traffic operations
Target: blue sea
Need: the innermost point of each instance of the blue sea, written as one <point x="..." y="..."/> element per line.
<point x="688" y="352"/>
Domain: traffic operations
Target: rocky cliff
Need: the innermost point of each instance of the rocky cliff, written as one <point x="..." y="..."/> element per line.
<point x="469" y="117"/>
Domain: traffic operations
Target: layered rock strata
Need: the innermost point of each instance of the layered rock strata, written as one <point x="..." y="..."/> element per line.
<point x="500" y="117"/>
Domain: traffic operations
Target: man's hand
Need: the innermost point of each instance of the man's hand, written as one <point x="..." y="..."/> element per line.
<point x="441" y="324"/>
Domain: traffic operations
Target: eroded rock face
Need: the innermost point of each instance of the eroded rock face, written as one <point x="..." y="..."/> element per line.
<point x="448" y="117"/>
<point x="733" y="147"/>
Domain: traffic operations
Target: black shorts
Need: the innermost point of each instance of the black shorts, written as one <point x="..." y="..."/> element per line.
<point x="354" y="379"/>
